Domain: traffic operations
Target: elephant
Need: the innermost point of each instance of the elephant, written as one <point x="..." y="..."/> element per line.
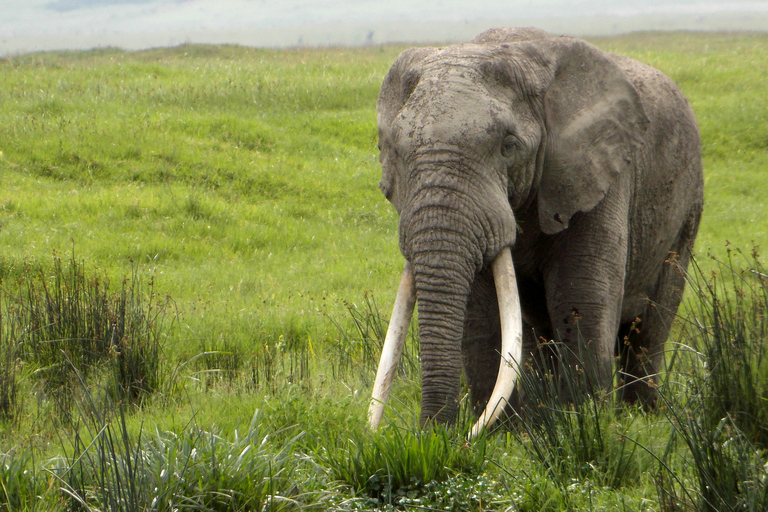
<point x="546" y="190"/>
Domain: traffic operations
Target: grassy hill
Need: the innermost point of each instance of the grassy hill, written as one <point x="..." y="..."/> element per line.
<point x="232" y="194"/>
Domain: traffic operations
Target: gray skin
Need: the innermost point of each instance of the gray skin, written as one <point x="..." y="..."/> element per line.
<point x="587" y="164"/>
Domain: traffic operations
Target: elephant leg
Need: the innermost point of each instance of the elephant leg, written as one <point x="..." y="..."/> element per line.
<point x="641" y="342"/>
<point x="584" y="280"/>
<point x="586" y="322"/>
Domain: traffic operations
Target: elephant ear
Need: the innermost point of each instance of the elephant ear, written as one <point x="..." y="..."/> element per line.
<point x="399" y="83"/>
<point x="595" y="121"/>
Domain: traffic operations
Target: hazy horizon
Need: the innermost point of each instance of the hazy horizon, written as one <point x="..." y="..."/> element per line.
<point x="35" y="25"/>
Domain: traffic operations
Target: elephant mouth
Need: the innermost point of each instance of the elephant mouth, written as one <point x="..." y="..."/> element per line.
<point x="511" y="343"/>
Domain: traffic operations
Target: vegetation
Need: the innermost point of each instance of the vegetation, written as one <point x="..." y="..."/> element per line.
<point x="196" y="267"/>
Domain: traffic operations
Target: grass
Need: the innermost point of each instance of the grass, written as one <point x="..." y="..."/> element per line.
<point x="108" y="469"/>
<point x="213" y="163"/>
<point x="731" y="331"/>
<point x="68" y="325"/>
<point x="578" y="431"/>
<point x="719" y="414"/>
<point x="399" y="463"/>
<point x="226" y="223"/>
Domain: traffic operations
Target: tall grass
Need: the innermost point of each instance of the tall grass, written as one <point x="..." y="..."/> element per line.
<point x="398" y="462"/>
<point x="361" y="346"/>
<point x="67" y="324"/>
<point x="720" y="415"/>
<point x="20" y="483"/>
<point x="721" y="470"/>
<point x="9" y="370"/>
<point x="107" y="468"/>
<point x="729" y="323"/>
<point x="575" y="428"/>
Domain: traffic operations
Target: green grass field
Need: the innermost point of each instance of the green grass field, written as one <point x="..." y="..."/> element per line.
<point x="239" y="187"/>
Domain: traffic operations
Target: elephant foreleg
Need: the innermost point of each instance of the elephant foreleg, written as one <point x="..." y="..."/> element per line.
<point x="585" y="285"/>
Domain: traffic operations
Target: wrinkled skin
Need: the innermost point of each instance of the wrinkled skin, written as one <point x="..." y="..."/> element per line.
<point x="587" y="164"/>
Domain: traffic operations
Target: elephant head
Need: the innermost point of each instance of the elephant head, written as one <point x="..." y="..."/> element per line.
<point x="471" y="135"/>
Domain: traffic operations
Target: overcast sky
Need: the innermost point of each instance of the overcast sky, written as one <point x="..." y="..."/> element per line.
<point x="31" y="25"/>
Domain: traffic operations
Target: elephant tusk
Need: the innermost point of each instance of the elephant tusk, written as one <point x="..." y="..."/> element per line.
<point x="393" y="345"/>
<point x="511" y="341"/>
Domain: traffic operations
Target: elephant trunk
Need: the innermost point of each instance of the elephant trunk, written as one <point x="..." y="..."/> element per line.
<point x="450" y="230"/>
<point x="442" y="240"/>
<point x="443" y="280"/>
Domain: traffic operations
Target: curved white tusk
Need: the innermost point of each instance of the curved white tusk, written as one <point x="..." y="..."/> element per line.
<point x="393" y="345"/>
<point x="511" y="341"/>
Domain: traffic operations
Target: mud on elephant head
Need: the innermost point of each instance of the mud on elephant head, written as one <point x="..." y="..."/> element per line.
<point x="538" y="179"/>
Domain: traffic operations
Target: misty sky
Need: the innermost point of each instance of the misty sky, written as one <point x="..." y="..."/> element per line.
<point x="30" y="25"/>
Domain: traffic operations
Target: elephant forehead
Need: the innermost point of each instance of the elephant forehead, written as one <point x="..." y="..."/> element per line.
<point x="451" y="109"/>
<point x="519" y="69"/>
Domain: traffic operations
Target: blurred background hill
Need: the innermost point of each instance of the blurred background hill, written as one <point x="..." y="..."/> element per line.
<point x="34" y="25"/>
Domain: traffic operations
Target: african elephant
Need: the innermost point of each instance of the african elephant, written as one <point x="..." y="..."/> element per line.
<point x="550" y="177"/>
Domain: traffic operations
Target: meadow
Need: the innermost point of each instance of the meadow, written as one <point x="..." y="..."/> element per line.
<point x="196" y="268"/>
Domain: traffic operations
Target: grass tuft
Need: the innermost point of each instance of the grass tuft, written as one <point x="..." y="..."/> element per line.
<point x="69" y="325"/>
<point x="396" y="463"/>
<point x="728" y="472"/>
<point x="720" y="415"/>
<point x="728" y="322"/>
<point x="108" y="468"/>
<point x="576" y="429"/>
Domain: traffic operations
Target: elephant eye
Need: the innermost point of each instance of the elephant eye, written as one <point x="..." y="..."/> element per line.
<point x="509" y="146"/>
